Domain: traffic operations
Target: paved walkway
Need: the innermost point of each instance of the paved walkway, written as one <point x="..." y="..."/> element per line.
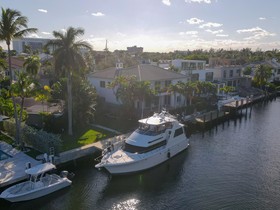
<point x="13" y="169"/>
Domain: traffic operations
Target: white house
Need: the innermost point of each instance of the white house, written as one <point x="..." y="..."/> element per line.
<point x="158" y="77"/>
<point x="273" y="64"/>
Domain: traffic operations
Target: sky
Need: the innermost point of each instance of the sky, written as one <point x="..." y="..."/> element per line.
<point x="158" y="25"/>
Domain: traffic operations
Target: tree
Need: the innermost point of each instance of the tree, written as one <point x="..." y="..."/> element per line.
<point x="68" y="60"/>
<point x="24" y="87"/>
<point x="32" y="65"/>
<point x="247" y="70"/>
<point x="227" y="89"/>
<point x="128" y="90"/>
<point x="262" y="74"/>
<point x="186" y="89"/>
<point x="13" y="25"/>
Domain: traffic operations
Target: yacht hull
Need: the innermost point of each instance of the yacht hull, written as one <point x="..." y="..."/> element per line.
<point x="148" y="162"/>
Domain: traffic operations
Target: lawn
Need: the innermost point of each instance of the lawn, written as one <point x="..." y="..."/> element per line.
<point x="84" y="137"/>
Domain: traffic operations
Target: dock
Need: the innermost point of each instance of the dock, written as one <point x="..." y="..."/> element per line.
<point x="74" y="154"/>
<point x="211" y="116"/>
<point x="12" y="169"/>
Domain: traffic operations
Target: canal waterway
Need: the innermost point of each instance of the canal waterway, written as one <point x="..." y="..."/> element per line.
<point x="235" y="165"/>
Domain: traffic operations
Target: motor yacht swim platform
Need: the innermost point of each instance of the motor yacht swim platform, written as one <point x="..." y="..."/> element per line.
<point x="157" y="139"/>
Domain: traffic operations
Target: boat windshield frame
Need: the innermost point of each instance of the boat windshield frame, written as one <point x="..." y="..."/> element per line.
<point x="152" y="129"/>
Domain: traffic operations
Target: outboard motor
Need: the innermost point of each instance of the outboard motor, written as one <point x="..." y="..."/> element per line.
<point x="64" y="174"/>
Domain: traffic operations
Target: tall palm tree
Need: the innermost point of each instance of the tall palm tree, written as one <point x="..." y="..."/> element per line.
<point x="262" y="74"/>
<point x="13" y="25"/>
<point x="32" y="65"/>
<point x="68" y="59"/>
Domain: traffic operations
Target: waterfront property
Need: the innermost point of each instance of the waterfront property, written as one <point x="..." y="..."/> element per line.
<point x="158" y="77"/>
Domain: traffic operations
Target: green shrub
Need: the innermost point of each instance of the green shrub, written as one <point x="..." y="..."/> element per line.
<point x="41" y="140"/>
<point x="9" y="127"/>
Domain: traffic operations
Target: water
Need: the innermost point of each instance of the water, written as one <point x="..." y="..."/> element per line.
<point x="235" y="165"/>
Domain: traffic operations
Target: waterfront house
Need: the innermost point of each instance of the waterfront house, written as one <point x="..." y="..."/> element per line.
<point x="158" y="77"/>
<point x="273" y="64"/>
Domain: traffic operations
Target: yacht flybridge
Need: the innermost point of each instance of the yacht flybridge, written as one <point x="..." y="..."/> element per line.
<point x="157" y="139"/>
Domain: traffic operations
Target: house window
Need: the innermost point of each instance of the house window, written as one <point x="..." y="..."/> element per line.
<point x="179" y="99"/>
<point x="225" y="74"/>
<point x="278" y="72"/>
<point x="231" y="73"/>
<point x="195" y="77"/>
<point x="238" y="71"/>
<point x="102" y="84"/>
<point x="167" y="100"/>
<point x="167" y="83"/>
<point x="209" y="76"/>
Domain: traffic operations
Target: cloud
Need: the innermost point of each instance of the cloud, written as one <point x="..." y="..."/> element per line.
<point x="189" y="33"/>
<point x="98" y="14"/>
<point x="43" y="10"/>
<point x="63" y="30"/>
<point x="222" y="35"/>
<point x="193" y="21"/>
<point x="198" y="1"/>
<point x="251" y="30"/>
<point x="214" y="32"/>
<point x="121" y="34"/>
<point x="210" y="25"/>
<point x="166" y="2"/>
<point x="257" y="33"/>
<point x="33" y="35"/>
<point x="262" y="18"/>
<point x="46" y="33"/>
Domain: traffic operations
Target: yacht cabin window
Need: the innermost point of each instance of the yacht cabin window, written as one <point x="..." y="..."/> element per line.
<point x="136" y="149"/>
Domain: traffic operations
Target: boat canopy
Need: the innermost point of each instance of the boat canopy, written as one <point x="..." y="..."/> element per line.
<point x="39" y="169"/>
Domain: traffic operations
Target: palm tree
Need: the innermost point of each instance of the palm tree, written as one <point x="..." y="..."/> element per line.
<point x="24" y="87"/>
<point x="32" y="65"/>
<point x="68" y="59"/>
<point x="13" y="25"/>
<point x="262" y="74"/>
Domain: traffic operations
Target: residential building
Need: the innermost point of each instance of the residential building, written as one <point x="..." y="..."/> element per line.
<point x="36" y="44"/>
<point x="158" y="77"/>
<point x="273" y="64"/>
<point x="16" y="66"/>
<point x="195" y="70"/>
<point x="134" y="51"/>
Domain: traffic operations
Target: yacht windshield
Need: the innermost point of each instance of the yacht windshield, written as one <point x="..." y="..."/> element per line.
<point x="152" y="130"/>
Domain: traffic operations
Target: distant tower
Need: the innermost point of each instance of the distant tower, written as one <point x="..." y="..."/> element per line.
<point x="106" y="47"/>
<point x="106" y="52"/>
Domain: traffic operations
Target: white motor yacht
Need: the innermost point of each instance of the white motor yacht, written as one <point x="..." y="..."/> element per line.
<point x="157" y="139"/>
<point x="39" y="184"/>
